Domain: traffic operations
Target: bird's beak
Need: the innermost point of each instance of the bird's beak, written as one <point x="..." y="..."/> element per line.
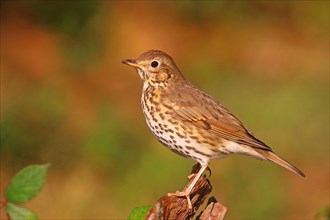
<point x="131" y="62"/>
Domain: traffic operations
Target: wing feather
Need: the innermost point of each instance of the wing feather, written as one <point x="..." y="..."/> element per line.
<point x="208" y="114"/>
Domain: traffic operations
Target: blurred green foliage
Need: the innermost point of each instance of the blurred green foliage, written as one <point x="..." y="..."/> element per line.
<point x="260" y="11"/>
<point x="69" y="17"/>
<point x="75" y="20"/>
<point x="324" y="214"/>
<point x="30" y="123"/>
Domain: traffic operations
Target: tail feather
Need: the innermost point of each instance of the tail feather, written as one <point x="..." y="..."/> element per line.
<point x="269" y="155"/>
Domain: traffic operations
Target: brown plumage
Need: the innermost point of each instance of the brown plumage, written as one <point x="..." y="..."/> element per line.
<point x="190" y="122"/>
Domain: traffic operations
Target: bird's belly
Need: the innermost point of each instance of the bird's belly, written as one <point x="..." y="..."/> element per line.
<point x="184" y="140"/>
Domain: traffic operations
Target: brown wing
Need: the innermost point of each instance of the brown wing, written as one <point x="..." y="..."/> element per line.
<point x="206" y="113"/>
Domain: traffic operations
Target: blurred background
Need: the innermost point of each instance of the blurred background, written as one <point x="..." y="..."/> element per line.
<point x="67" y="99"/>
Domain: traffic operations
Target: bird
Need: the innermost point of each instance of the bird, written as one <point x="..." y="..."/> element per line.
<point x="190" y="122"/>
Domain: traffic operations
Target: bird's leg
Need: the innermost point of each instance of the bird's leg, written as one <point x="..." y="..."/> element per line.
<point x="187" y="190"/>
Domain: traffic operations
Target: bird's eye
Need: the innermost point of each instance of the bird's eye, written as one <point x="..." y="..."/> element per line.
<point x="154" y="63"/>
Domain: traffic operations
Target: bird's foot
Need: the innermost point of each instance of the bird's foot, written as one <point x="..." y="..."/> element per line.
<point x="182" y="194"/>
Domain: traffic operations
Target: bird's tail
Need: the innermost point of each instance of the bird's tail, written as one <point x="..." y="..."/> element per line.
<point x="269" y="155"/>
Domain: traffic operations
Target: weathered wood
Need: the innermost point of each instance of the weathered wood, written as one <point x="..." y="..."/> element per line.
<point x="213" y="211"/>
<point x="174" y="207"/>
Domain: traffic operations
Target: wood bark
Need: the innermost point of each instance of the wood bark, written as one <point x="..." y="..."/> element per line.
<point x="174" y="207"/>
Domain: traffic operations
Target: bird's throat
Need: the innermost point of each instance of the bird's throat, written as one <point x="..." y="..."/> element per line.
<point x="141" y="73"/>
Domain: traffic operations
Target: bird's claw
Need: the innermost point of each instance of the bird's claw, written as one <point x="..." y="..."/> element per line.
<point x="182" y="194"/>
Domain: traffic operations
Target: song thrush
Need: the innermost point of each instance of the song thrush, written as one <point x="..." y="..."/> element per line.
<point x="190" y="122"/>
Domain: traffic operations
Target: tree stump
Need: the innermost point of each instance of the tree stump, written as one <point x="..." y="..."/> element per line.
<point x="174" y="207"/>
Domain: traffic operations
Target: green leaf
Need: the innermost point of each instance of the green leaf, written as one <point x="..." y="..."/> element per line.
<point x="139" y="212"/>
<point x="16" y="212"/>
<point x="26" y="184"/>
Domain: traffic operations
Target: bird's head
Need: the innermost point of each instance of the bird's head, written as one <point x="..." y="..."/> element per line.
<point x="155" y="68"/>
